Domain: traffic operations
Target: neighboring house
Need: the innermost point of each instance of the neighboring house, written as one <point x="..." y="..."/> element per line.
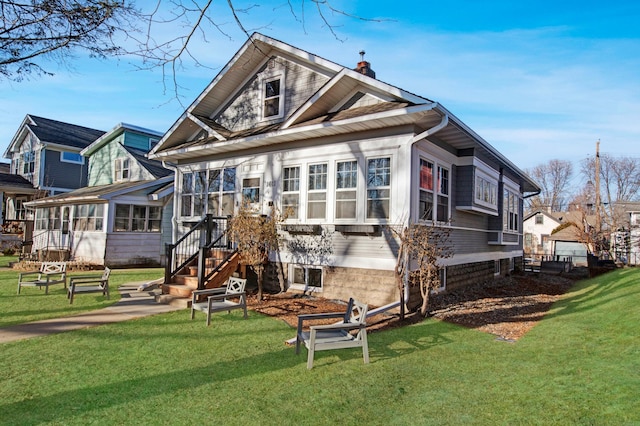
<point x="625" y="242"/>
<point x="46" y="153"/>
<point x="557" y="235"/>
<point x="350" y="158"/>
<point x="119" y="218"/>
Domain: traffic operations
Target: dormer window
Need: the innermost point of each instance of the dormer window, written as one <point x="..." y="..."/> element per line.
<point x="122" y="171"/>
<point x="273" y="97"/>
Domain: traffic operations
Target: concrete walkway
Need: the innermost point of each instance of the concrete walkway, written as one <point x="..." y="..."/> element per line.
<point x="133" y="304"/>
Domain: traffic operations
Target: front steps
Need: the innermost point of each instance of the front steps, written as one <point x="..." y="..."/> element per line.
<point x="179" y="293"/>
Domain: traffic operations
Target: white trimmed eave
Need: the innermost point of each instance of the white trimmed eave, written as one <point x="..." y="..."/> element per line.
<point x="204" y="125"/>
<point x="399" y="117"/>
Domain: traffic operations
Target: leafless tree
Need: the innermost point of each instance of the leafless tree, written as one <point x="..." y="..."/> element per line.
<point x="255" y="235"/>
<point x="422" y="248"/>
<point x="619" y="183"/>
<point x="554" y="178"/>
<point x="162" y="34"/>
<point x="37" y="31"/>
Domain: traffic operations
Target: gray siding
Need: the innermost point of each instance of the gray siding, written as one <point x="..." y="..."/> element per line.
<point x="244" y="112"/>
<point x="133" y="248"/>
<point x="62" y="175"/>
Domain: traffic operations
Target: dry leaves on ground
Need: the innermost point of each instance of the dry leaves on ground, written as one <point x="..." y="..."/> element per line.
<point x="506" y="307"/>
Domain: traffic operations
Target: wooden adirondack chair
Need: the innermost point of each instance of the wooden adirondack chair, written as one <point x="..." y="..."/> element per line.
<point x="335" y="336"/>
<point x="221" y="299"/>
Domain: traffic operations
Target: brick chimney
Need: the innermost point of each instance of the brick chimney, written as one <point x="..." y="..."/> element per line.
<point x="364" y="67"/>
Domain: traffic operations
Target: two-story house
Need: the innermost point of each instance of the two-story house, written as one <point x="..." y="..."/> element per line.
<point x="45" y="153"/>
<point x="350" y="158"/>
<point x="119" y="217"/>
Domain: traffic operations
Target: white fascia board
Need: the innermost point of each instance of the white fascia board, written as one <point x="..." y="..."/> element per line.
<point x="19" y="136"/>
<point x="166" y="136"/>
<point x="143" y="185"/>
<point x="371" y="117"/>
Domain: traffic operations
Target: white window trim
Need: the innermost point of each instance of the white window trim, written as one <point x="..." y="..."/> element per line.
<point x="509" y="185"/>
<point x="263" y="82"/>
<point x="260" y="187"/>
<point x="299" y="192"/>
<point x="118" y="174"/>
<point x="365" y="187"/>
<point x="308" y="191"/>
<point x="358" y="189"/>
<point x="305" y="287"/>
<point x="63" y="160"/>
<point x="479" y="174"/>
<point x="437" y="164"/>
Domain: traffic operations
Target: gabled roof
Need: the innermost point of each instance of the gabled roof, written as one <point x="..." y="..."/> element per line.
<point x="115" y="132"/>
<point x="152" y="166"/>
<point x="53" y="132"/>
<point x="102" y="192"/>
<point x="327" y="112"/>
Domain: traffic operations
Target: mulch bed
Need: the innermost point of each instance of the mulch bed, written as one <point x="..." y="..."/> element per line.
<point x="506" y="307"/>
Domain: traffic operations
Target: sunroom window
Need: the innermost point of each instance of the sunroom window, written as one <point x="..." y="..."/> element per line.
<point x="317" y="191"/>
<point x="291" y="191"/>
<point x="346" y="189"/>
<point x="378" y="188"/>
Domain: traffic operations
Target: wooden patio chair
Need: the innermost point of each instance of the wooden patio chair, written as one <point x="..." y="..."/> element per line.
<point x="49" y="273"/>
<point x="351" y="332"/>
<point x="226" y="298"/>
<point x="89" y="284"/>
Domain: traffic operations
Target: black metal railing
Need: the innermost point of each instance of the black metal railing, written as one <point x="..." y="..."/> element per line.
<point x="208" y="233"/>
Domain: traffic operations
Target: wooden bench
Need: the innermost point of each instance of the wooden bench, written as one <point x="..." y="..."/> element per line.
<point x="49" y="273"/>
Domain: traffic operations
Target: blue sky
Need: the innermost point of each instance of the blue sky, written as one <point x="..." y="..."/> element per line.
<point x="538" y="80"/>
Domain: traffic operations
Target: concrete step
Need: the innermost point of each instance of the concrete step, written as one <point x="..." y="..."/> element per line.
<point x="173" y="300"/>
<point x="177" y="290"/>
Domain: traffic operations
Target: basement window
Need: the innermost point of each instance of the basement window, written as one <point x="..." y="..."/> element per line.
<point x="306" y="278"/>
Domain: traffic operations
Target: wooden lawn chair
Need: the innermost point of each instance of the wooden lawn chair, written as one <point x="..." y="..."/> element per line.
<point x="221" y="299"/>
<point x="49" y="273"/>
<point x="335" y="336"/>
<point x="89" y="284"/>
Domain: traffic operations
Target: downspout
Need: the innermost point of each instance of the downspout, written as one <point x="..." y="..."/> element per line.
<point x="405" y="282"/>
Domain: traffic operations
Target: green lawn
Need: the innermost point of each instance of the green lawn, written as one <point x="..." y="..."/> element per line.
<point x="33" y="304"/>
<point x="580" y="365"/>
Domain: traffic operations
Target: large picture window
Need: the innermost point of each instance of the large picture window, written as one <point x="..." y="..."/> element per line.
<point x="378" y="188"/>
<point x="291" y="191"/>
<point x="88" y="217"/>
<point x="317" y="191"/>
<point x="346" y="189"/>
<point x="135" y="218"/>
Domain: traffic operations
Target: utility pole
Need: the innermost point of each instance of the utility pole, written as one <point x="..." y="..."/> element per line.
<point x="598" y="206"/>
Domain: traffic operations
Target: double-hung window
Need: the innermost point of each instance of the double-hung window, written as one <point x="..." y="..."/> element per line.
<point x="291" y="191"/>
<point x="511" y="208"/>
<point x="378" y="187"/>
<point x="317" y="191"/>
<point x="221" y="190"/>
<point x="346" y="189"/>
<point x="426" y="190"/>
<point x="273" y="97"/>
<point x="192" y="193"/>
<point x="251" y="190"/>
<point x="443" y="195"/>
<point x="28" y="162"/>
<point x="434" y="191"/>
<point x="121" y="169"/>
